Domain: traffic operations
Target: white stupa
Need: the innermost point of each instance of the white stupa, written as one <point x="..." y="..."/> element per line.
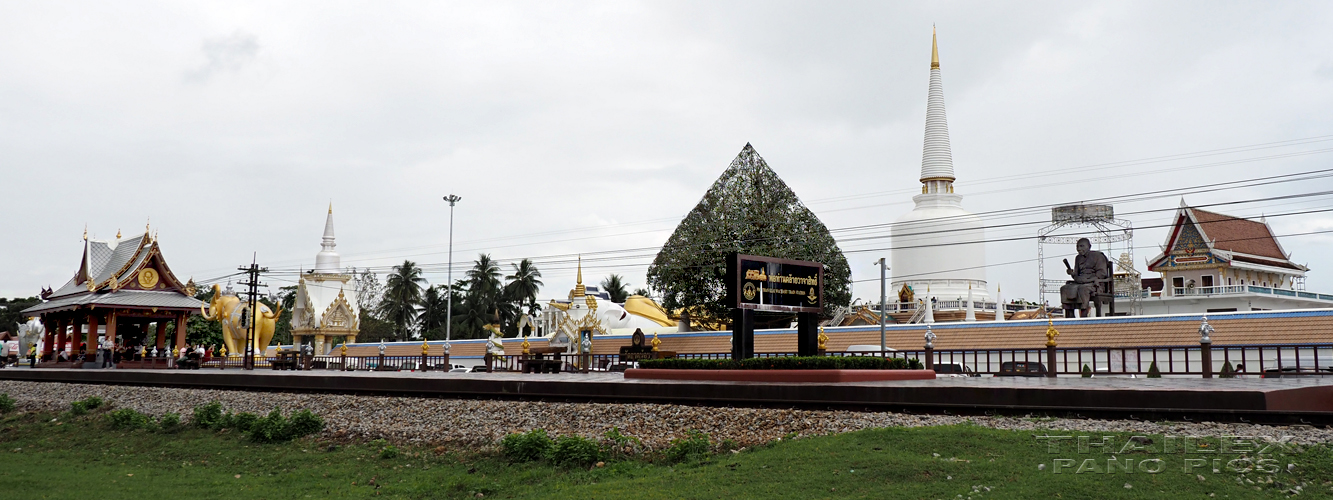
<point x="938" y="248"/>
<point x="326" y="311"/>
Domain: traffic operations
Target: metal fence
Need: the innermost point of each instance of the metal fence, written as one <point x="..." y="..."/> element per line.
<point x="1182" y="360"/>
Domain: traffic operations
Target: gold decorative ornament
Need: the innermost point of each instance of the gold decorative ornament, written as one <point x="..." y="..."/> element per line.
<point x="190" y="287"/>
<point x="1051" y="334"/>
<point x="526" y="345"/>
<point x="344" y="349"/>
<point x="148" y="278"/>
<point x="749" y="291"/>
<point x="656" y="342"/>
<point x="823" y="339"/>
<point x="425" y="348"/>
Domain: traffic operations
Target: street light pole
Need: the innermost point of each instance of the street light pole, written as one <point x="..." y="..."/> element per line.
<point x="883" y="298"/>
<point x="449" y="284"/>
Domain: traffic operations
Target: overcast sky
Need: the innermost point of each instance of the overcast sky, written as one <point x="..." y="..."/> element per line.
<point x="574" y="128"/>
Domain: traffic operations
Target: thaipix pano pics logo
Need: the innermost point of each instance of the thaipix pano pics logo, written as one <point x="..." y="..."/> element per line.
<point x="1090" y="454"/>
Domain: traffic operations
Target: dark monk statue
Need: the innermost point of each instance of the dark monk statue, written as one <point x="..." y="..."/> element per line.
<point x="1091" y="275"/>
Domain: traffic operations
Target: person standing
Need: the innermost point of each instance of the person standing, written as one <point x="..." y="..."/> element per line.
<point x="32" y="356"/>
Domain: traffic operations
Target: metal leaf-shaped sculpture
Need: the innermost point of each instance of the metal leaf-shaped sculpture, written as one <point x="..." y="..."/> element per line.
<point x="751" y="211"/>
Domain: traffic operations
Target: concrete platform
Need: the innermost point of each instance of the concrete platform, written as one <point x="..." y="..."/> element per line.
<point x="1296" y="400"/>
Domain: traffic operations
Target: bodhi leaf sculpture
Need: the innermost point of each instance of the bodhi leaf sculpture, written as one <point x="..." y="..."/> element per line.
<point x="751" y="211"/>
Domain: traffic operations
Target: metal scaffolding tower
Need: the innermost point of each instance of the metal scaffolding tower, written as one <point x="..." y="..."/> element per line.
<point x="1112" y="236"/>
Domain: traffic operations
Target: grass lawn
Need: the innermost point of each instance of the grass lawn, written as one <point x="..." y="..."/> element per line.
<point x="83" y="457"/>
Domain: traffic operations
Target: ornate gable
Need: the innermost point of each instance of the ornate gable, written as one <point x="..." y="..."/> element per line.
<point x="339" y="314"/>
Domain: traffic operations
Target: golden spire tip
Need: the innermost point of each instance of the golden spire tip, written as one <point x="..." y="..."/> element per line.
<point x="330" y="207"/>
<point x="934" y="50"/>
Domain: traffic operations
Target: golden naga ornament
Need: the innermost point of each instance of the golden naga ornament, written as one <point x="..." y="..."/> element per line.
<point x="148" y="278"/>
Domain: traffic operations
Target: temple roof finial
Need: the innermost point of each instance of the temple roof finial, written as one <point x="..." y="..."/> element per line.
<point x="330" y="207"/>
<point x="934" y="50"/>
<point x="579" y="289"/>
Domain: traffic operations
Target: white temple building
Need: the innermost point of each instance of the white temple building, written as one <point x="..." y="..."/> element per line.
<point x="326" y="310"/>
<point x="938" y="250"/>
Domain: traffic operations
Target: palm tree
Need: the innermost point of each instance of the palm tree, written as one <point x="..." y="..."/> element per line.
<point x="642" y="291"/>
<point x="615" y="286"/>
<point x="524" y="285"/>
<point x="484" y="278"/>
<point x="402" y="295"/>
<point x="434" y="310"/>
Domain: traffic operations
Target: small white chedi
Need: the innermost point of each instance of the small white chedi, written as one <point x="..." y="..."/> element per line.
<point x="326" y="309"/>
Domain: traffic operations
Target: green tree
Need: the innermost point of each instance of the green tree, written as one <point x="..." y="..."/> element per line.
<point x="434" y="312"/>
<point x="523" y="286"/>
<point x="614" y="285"/>
<point x="643" y="292"/>
<point x="484" y="279"/>
<point x="485" y="297"/>
<point x="747" y="210"/>
<point x="402" y="295"/>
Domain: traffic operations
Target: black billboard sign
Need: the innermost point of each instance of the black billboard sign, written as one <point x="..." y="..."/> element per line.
<point x="771" y="284"/>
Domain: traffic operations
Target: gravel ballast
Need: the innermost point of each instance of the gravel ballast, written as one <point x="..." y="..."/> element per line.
<point x="467" y="422"/>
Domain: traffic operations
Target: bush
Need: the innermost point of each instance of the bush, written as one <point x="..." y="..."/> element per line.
<point x="304" y="423"/>
<point x="1153" y="372"/>
<point x="93" y="402"/>
<point x="616" y="443"/>
<point x="692" y="447"/>
<point x="170" y="422"/>
<point x="387" y="450"/>
<point x="574" y="451"/>
<point x="6" y="403"/>
<point x="787" y="363"/>
<point x="532" y="446"/>
<point x="78" y="408"/>
<point x="208" y="416"/>
<point x="1087" y="372"/>
<point x="1227" y="371"/>
<point x="128" y="419"/>
<point x="270" y="429"/>
<point x="241" y="421"/>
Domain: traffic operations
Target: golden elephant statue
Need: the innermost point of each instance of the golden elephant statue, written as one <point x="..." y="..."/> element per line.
<point x="235" y="317"/>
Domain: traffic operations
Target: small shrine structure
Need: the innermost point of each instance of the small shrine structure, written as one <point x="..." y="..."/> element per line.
<point x="326" y="300"/>
<point x="123" y="292"/>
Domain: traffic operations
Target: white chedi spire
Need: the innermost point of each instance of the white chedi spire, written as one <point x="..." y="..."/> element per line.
<point x="327" y="260"/>
<point x="937" y="159"/>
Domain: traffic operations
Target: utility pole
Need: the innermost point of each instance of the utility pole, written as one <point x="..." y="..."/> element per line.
<point x="449" y="283"/>
<point x="883" y="299"/>
<point x="252" y="273"/>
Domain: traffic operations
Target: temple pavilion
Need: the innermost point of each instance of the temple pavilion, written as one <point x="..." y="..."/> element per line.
<point x="123" y="292"/>
<point x="1212" y="263"/>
